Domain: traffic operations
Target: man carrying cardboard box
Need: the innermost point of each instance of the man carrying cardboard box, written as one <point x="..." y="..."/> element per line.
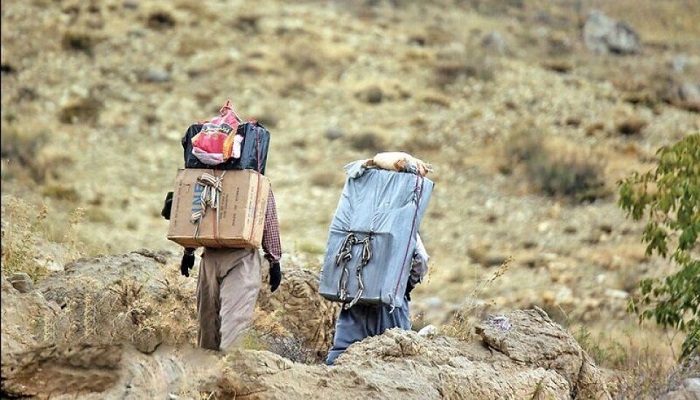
<point x="230" y="271"/>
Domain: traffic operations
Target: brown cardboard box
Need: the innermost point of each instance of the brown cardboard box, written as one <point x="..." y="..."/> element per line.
<point x="237" y="222"/>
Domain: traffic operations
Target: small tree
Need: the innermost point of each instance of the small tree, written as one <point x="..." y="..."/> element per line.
<point x="669" y="196"/>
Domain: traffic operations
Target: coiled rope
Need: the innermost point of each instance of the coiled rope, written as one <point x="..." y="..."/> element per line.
<point x="341" y="260"/>
<point x="208" y="198"/>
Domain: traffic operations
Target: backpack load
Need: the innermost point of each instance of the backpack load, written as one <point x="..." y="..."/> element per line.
<point x="372" y="236"/>
<point x="226" y="143"/>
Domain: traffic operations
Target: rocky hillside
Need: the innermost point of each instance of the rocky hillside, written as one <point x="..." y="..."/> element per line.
<point x="530" y="112"/>
<point x="113" y="327"/>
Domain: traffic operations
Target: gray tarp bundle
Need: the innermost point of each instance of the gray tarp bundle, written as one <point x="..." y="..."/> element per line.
<point x="376" y="223"/>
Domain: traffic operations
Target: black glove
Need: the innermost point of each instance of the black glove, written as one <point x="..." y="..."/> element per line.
<point x="275" y="276"/>
<point x="187" y="261"/>
<point x="167" y="205"/>
<point x="409" y="287"/>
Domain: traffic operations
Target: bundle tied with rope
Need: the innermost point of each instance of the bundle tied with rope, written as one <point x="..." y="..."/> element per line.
<point x="342" y="259"/>
<point x="374" y="230"/>
<point x="208" y="197"/>
<point x="218" y="208"/>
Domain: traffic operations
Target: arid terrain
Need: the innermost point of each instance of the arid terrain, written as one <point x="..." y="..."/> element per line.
<point x="529" y="112"/>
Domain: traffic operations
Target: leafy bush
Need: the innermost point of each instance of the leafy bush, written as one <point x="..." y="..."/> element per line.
<point x="669" y="197"/>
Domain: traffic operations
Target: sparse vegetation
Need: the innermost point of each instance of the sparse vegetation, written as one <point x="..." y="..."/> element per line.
<point x="29" y="153"/>
<point x="19" y="239"/>
<point x="631" y="126"/>
<point x="84" y="110"/>
<point x="569" y="175"/>
<point x="80" y="41"/>
<point x="462" y="323"/>
<point x="450" y="71"/>
<point x="558" y="172"/>
<point x="369" y="142"/>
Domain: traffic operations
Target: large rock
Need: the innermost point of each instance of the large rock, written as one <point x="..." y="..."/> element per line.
<point x="684" y="94"/>
<point x="525" y="355"/>
<point x="22" y="314"/>
<point x="135" y="297"/>
<point x="301" y="309"/>
<point x="522" y="354"/>
<point x="604" y="35"/>
<point x="531" y="337"/>
<point x="109" y="371"/>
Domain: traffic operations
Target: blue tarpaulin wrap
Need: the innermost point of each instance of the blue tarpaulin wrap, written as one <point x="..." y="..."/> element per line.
<point x="374" y="232"/>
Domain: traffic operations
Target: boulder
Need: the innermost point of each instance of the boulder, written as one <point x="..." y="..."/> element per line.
<point x="604" y="35"/>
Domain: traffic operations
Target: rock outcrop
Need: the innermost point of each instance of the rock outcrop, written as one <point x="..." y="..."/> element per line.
<point x="522" y="354"/>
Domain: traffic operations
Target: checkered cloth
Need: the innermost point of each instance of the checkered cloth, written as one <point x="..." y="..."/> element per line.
<point x="271" y="243"/>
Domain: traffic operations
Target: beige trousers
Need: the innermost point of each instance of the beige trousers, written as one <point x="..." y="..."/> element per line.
<point x="227" y="290"/>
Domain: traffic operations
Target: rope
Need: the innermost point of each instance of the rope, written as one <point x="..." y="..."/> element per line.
<point x="208" y="197"/>
<point x="418" y="190"/>
<point x="343" y="257"/>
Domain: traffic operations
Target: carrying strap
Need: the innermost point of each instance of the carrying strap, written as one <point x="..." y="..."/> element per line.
<point x="258" y="140"/>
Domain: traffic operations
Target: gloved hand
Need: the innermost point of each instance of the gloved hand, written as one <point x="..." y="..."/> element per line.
<point x="275" y="276"/>
<point x="409" y="287"/>
<point x="187" y="262"/>
<point x="167" y="205"/>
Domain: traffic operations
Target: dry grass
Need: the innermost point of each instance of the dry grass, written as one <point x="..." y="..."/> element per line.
<point x="83" y="110"/>
<point x="126" y="312"/>
<point x="283" y="64"/>
<point x="22" y="227"/>
<point x="450" y="72"/>
<point x="27" y="226"/>
<point x="30" y="155"/>
<point x="556" y="168"/>
<point x="462" y="323"/>
<point x="643" y="357"/>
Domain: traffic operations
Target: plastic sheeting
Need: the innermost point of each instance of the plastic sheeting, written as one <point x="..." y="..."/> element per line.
<point x="378" y="214"/>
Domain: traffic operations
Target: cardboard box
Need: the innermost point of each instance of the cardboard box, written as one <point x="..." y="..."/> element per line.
<point x="239" y="219"/>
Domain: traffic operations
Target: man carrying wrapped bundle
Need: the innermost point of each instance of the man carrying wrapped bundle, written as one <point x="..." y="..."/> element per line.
<point x="375" y="256"/>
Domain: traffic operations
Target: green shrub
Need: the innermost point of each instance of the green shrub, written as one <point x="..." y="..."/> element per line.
<point x="605" y="353"/>
<point x="669" y="200"/>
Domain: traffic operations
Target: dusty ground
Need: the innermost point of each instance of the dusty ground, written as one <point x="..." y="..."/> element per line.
<point x="96" y="96"/>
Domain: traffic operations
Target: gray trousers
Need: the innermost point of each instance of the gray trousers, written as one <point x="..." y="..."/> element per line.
<point x="362" y="321"/>
<point x="227" y="290"/>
